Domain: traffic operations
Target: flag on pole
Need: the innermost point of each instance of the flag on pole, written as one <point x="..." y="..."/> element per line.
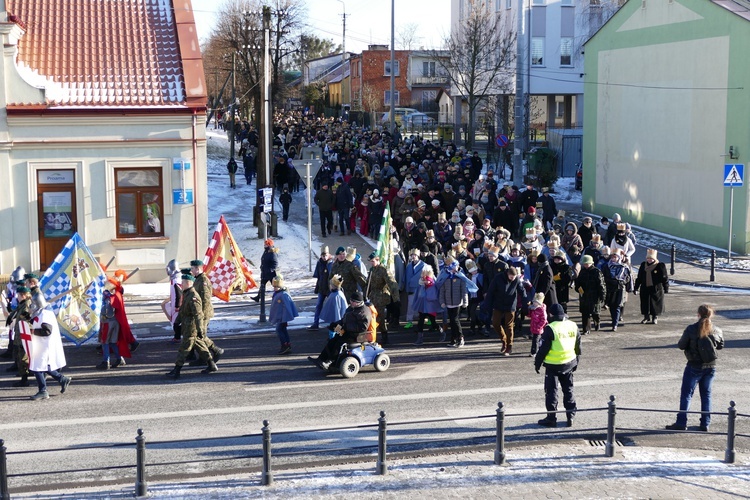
<point x="73" y="286"/>
<point x="226" y="268"/>
<point x="383" y="249"/>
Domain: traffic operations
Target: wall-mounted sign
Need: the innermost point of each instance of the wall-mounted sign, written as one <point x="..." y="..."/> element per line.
<point x="182" y="196"/>
<point x="180" y="164"/>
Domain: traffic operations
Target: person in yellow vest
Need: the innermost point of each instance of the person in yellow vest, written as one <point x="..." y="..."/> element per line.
<point x="558" y="351"/>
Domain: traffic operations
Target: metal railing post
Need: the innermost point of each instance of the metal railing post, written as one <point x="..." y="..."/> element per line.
<point x="500" y="446"/>
<point x="267" y="477"/>
<point x="262" y="314"/>
<point x="609" y="447"/>
<point x="4" y="494"/>
<point x="382" y="467"/>
<point x="141" y="486"/>
<point x="729" y="453"/>
<point x="713" y="266"/>
<point x="672" y="257"/>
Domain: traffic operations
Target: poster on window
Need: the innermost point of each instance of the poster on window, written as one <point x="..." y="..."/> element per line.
<point x="151" y="214"/>
<point x="58" y="214"/>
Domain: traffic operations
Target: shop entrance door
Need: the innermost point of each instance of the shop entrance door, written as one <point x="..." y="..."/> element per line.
<point x="56" y="195"/>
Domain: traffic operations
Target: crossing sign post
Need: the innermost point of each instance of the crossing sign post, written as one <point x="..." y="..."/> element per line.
<point x="734" y="175"/>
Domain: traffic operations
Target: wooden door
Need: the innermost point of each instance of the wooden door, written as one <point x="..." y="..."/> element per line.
<point x="56" y="198"/>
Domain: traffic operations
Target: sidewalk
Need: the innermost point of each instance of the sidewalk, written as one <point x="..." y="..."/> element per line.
<point x="557" y="470"/>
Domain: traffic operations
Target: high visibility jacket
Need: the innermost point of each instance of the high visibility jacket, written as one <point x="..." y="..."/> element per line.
<point x="563" y="349"/>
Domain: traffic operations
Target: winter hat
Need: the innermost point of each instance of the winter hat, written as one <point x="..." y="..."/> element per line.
<point x="503" y="203"/>
<point x="188" y="277"/>
<point x="356" y="296"/>
<point x="605" y="251"/>
<point x="469" y="209"/>
<point x="447" y="186"/>
<point x="531" y="210"/>
<point x="435" y="203"/>
<point x="336" y="281"/>
<point x="539" y="298"/>
<point x="616" y="218"/>
<point x="556" y="312"/>
<point x="469" y="222"/>
<point x="409" y="220"/>
<point x="196" y="263"/>
<point x="541" y="258"/>
<point x="23" y="289"/>
<point x="372" y="256"/>
<point x="375" y="192"/>
<point x="278" y="281"/>
<point x="587" y="259"/>
<point x="351" y="253"/>
<point x="267" y="243"/>
<point x="471" y="266"/>
<point x="420" y="203"/>
<point x="422" y="226"/>
<point x="557" y="254"/>
<point x="479" y="233"/>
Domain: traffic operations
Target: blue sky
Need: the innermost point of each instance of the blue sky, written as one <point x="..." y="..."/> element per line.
<point x="368" y="21"/>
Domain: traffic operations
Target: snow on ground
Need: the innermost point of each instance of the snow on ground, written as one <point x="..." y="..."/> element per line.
<point x="574" y="470"/>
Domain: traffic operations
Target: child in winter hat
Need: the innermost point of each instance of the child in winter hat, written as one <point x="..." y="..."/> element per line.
<point x="538" y="319"/>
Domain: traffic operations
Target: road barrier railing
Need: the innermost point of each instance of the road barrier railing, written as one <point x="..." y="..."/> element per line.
<point x="263" y="450"/>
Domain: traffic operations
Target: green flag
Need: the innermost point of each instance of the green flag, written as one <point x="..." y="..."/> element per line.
<point x="384" y="241"/>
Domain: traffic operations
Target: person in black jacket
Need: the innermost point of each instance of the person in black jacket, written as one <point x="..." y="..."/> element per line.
<point x="355" y="321"/>
<point x="344" y="204"/>
<point x="322" y="275"/>
<point x="653" y="282"/>
<point x="502" y="296"/>
<point x="700" y="341"/>
<point x="269" y="262"/>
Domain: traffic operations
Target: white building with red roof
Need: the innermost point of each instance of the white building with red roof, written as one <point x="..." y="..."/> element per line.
<point x="102" y="132"/>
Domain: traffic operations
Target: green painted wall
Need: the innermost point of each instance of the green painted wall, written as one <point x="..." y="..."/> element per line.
<point x="667" y="92"/>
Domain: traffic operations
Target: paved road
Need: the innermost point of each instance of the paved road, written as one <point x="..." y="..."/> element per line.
<point x="639" y="364"/>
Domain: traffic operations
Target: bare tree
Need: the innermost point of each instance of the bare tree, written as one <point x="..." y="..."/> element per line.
<point x="239" y="31"/>
<point x="406" y="36"/>
<point x="480" y="56"/>
<point x="371" y="101"/>
<point x="592" y="16"/>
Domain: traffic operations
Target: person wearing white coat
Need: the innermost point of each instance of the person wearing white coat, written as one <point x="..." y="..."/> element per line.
<point x="623" y="243"/>
<point x="47" y="355"/>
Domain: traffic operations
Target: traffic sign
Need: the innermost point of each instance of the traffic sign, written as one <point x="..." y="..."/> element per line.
<point x="501" y="140"/>
<point x="734" y="175"/>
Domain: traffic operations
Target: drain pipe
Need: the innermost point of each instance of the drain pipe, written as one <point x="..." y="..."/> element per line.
<point x="195" y="181"/>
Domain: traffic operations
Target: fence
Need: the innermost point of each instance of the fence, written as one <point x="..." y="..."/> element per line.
<point x="382" y="426"/>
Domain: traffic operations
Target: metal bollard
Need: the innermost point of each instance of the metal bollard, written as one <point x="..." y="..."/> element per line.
<point x="500" y="446"/>
<point x="672" y="257"/>
<point x="713" y="266"/>
<point x="4" y="494"/>
<point x="729" y="453"/>
<point x="141" y="486"/>
<point x="267" y="477"/>
<point x="609" y="447"/>
<point x="262" y="292"/>
<point x="382" y="467"/>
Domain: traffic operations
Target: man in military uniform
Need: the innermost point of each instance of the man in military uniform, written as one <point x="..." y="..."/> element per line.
<point x="192" y="320"/>
<point x="20" y="316"/>
<point x="381" y="288"/>
<point x="351" y="274"/>
<point x="559" y="350"/>
<point x="204" y="290"/>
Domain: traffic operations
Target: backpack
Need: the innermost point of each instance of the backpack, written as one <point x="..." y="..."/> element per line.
<point x="707" y="349"/>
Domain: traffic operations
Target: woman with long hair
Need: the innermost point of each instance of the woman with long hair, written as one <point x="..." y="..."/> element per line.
<point x="700" y="341"/>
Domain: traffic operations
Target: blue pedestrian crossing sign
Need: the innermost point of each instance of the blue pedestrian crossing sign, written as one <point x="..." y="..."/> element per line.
<point x="734" y="175"/>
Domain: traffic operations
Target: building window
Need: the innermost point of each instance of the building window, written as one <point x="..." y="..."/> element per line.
<point x="139" y="202"/>
<point x="387" y="98"/>
<point x="537" y="51"/>
<point x="387" y="68"/>
<point x="560" y="109"/>
<point x="566" y="51"/>
<point x="498" y="5"/>
<point x="428" y="68"/>
<point x="508" y="4"/>
<point x="428" y="98"/>
<point x="539" y="2"/>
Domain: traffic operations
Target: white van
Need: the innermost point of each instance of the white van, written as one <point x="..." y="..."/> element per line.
<point x="399" y="113"/>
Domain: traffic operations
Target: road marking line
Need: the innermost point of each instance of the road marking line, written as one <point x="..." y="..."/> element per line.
<point x="316" y="404"/>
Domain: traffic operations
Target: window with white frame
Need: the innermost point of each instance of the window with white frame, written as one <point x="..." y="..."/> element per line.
<point x="387" y="98"/>
<point x="387" y="68"/>
<point x="428" y="68"/>
<point x="566" y="51"/>
<point x="428" y="97"/>
<point x="139" y="202"/>
<point x="508" y="4"/>
<point x="537" y="51"/>
<point x="498" y="5"/>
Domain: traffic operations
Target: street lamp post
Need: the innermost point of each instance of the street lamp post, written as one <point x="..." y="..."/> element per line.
<point x="343" y="38"/>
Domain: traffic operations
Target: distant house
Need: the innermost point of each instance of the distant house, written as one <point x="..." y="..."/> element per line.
<point x="666" y="109"/>
<point x="102" y="133"/>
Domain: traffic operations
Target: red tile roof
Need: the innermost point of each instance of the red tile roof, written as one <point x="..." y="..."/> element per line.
<point x="130" y="53"/>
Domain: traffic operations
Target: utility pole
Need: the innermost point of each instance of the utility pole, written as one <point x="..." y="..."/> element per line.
<point x="232" y="164"/>
<point x="343" y="38"/>
<point x="519" y="142"/>
<point x="393" y="73"/>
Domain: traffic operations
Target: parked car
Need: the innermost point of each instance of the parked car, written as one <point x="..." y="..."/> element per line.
<point x="579" y="176"/>
<point x="399" y="114"/>
<point x="418" y="121"/>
